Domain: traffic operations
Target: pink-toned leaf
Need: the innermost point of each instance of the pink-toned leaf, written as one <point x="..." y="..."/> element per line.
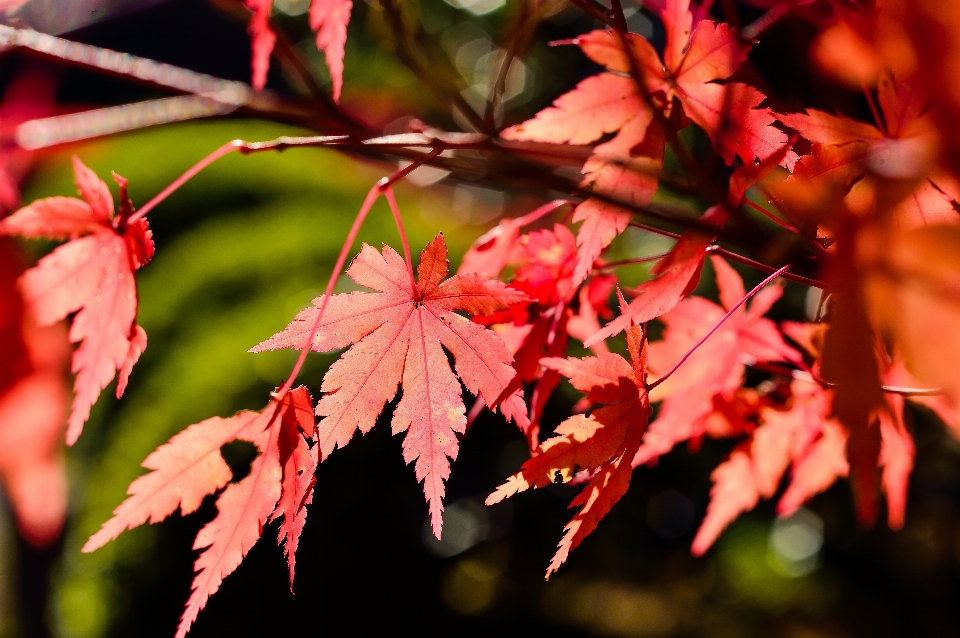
<point x="896" y="456"/>
<point x="660" y="295"/>
<point x="190" y="467"/>
<point x="729" y="115"/>
<point x="818" y="467"/>
<point x="92" y="276"/>
<point x="262" y="40"/>
<point x="606" y="49"/>
<point x="398" y="335"/>
<point x="329" y="18"/>
<point x="52" y="218"/>
<point x="183" y="471"/>
<point x="713" y="372"/>
<point x="602" y="222"/>
<point x="94" y="192"/>
<point x="598" y="377"/>
<point x="597" y="498"/>
<point x="823" y="128"/>
<point x="715" y="52"/>
<point x="138" y="343"/>
<point x="902" y="103"/>
<point x="491" y="252"/>
<point x="600" y="104"/>
<point x="299" y="462"/>
<point x="734" y="491"/>
<point x="601" y="444"/>
<point x="678" y="23"/>
<point x="243" y="509"/>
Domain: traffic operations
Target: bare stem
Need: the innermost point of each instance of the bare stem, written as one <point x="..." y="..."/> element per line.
<point x="629" y="262"/>
<point x="764" y="22"/>
<point x="226" y="149"/>
<point x="368" y="202"/>
<point x="392" y="201"/>
<point x="763" y="211"/>
<point x="655" y="230"/>
<point x="762" y="267"/>
<point x="804" y="375"/>
<point x="382" y="186"/>
<point x="597" y="10"/>
<point x="231" y="146"/>
<point x="546" y="209"/>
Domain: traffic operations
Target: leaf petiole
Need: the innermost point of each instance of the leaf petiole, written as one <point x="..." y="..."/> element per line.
<point x="717" y="325"/>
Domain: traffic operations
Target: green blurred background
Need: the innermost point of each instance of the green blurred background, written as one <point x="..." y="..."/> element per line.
<point x="246" y="244"/>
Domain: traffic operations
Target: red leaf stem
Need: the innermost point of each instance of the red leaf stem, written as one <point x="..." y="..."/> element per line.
<point x="732" y="310"/>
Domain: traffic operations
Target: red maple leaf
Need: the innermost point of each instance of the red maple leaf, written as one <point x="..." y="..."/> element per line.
<point x="684" y="84"/>
<point x="33" y="398"/>
<point x="675" y="276"/>
<point x="29" y="96"/>
<point x="91" y="275"/>
<point x="262" y="40"/>
<point x="543" y="263"/>
<point x="845" y="150"/>
<point x="497" y="247"/>
<point x="715" y="371"/>
<point x="636" y="99"/>
<point x="804" y="436"/>
<point x="399" y="334"/>
<point x="602" y="443"/>
<point x="190" y="467"/>
<point x="329" y="18"/>
<point x="808" y="439"/>
<point x="626" y="167"/>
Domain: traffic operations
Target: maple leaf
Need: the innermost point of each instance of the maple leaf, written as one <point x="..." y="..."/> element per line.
<point x="715" y="370"/>
<point x="262" y="40"/>
<point x="675" y="276"/>
<point x="845" y="150"/>
<point x="329" y="18"/>
<point x="398" y="335"/>
<point x="602" y="443"/>
<point x="804" y="436"/>
<point x="685" y="84"/>
<point x="625" y="168"/>
<point x="493" y="250"/>
<point x="91" y="275"/>
<point x="807" y="437"/>
<point x="33" y="399"/>
<point x="638" y="109"/>
<point x="543" y="264"/>
<point x="190" y="467"/>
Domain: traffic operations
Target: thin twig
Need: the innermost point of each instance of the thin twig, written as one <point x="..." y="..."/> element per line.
<point x="231" y="146"/>
<point x="764" y="22"/>
<point x="716" y="326"/>
<point x="629" y="262"/>
<point x="763" y="211"/>
<point x="521" y="33"/>
<point x="382" y="186"/>
<point x="804" y="375"/>
<point x="762" y="267"/>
